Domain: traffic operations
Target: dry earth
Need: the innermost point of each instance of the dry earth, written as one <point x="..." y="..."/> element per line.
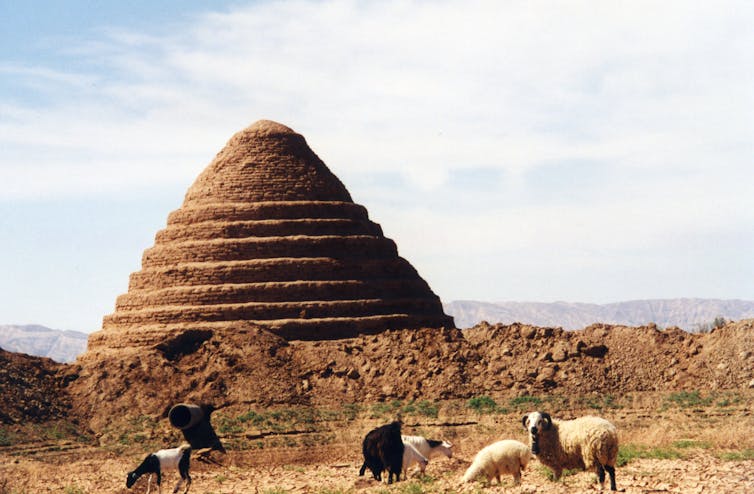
<point x="293" y="414"/>
<point x="698" y="433"/>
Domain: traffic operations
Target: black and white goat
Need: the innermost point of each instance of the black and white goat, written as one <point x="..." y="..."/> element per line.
<point x="159" y="461"/>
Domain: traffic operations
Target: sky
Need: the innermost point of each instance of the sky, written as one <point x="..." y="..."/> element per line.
<point x="515" y="151"/>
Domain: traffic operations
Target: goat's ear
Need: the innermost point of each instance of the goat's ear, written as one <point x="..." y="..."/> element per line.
<point x="524" y="420"/>
<point x="547" y="419"/>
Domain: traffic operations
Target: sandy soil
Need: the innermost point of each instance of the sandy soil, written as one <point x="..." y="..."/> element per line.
<point x="98" y="472"/>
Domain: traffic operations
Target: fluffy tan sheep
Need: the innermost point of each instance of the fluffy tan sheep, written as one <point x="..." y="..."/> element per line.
<point x="507" y="456"/>
<point x="586" y="443"/>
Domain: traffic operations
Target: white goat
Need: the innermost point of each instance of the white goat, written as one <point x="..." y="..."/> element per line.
<point x="429" y="448"/>
<point x="410" y="456"/>
<point x="159" y="461"/>
<point x="586" y="443"/>
<point x="507" y="456"/>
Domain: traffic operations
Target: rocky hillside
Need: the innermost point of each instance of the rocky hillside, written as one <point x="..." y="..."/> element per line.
<point x="686" y="313"/>
<point x="257" y="367"/>
<point x="32" y="388"/>
<point x="61" y="346"/>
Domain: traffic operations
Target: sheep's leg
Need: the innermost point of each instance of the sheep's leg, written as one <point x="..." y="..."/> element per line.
<point x="611" y="470"/>
<point x="188" y="483"/>
<point x="517" y="477"/>
<point x="149" y="483"/>
<point x="601" y="475"/>
<point x="177" y="486"/>
<point x="556" y="473"/>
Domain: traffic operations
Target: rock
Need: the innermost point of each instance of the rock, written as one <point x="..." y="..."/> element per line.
<point x="560" y="353"/>
<point x="528" y="332"/>
<point x="597" y="351"/>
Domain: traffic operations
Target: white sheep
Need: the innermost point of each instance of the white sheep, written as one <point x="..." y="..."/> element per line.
<point x="429" y="448"/>
<point x="410" y="456"/>
<point x="507" y="456"/>
<point x="586" y="443"/>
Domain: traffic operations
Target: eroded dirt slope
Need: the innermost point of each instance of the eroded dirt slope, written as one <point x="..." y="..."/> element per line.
<point x="257" y="367"/>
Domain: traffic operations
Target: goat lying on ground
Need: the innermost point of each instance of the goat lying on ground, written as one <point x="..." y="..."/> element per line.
<point x="159" y="461"/>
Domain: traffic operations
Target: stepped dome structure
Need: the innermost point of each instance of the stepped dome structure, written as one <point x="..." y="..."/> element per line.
<point x="268" y="236"/>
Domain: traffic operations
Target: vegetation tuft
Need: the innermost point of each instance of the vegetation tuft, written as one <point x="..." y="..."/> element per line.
<point x="630" y="452"/>
<point x="688" y="399"/>
<point x="484" y="405"/>
<point x="525" y="402"/>
<point x="741" y="455"/>
<point x="6" y="439"/>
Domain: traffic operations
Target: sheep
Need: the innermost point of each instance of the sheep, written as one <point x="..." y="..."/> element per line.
<point x="411" y="455"/>
<point x="159" y="461"/>
<point x="429" y="447"/>
<point x="507" y="456"/>
<point x="383" y="449"/>
<point x="587" y="443"/>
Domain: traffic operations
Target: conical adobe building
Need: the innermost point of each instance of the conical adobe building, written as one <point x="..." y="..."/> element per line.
<point x="268" y="236"/>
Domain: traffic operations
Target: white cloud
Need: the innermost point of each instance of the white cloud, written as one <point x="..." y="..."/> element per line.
<point x="657" y="96"/>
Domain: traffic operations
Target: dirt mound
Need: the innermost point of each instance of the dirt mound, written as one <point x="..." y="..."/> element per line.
<point x="254" y="366"/>
<point x="31" y="388"/>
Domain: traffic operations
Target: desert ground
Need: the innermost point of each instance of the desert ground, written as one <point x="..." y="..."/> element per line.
<point x="675" y="442"/>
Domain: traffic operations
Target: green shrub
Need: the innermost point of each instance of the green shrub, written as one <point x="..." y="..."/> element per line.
<point x="482" y="404"/>
<point x="427" y="408"/>
<point x="630" y="452"/>
<point x="383" y="408"/>
<point x="6" y="438"/>
<point x="351" y="410"/>
<point x="690" y="443"/>
<point x="742" y="455"/>
<point x="227" y="425"/>
<point x="525" y="401"/>
<point x="688" y="399"/>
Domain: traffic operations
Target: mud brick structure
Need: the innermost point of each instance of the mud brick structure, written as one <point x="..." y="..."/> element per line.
<point x="268" y="236"/>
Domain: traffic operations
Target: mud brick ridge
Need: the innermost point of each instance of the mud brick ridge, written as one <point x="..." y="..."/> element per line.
<point x="268" y="236"/>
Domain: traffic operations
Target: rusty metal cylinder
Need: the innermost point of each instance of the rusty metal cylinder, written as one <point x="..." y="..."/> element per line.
<point x="185" y="416"/>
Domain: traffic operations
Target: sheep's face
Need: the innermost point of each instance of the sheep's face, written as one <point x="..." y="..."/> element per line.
<point x="131" y="479"/>
<point x="534" y="423"/>
<point x="446" y="449"/>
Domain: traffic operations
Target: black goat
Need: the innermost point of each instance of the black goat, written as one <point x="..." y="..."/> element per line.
<point x="383" y="449"/>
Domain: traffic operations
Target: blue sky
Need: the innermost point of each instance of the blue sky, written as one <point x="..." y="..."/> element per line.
<point x="542" y="151"/>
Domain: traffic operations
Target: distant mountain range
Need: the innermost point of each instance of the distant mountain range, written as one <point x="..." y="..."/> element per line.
<point x="61" y="346"/>
<point x="686" y="313"/>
